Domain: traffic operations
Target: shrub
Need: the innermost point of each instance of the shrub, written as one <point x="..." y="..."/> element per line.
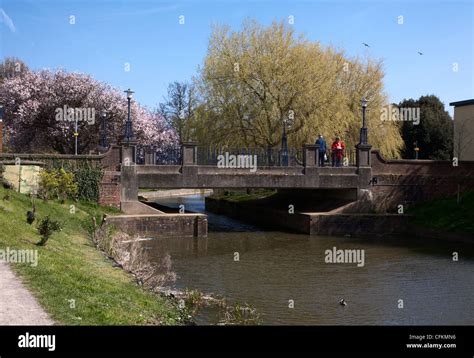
<point x="48" y="186"/>
<point x="46" y="227"/>
<point x="88" y="182"/>
<point x="57" y="184"/>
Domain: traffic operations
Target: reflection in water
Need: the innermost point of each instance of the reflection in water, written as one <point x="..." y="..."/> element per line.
<point x="276" y="267"/>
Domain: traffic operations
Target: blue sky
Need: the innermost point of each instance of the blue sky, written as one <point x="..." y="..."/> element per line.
<point x="146" y="34"/>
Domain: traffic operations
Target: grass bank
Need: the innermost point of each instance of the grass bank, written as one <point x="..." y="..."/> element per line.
<point x="74" y="282"/>
<point x="446" y="214"/>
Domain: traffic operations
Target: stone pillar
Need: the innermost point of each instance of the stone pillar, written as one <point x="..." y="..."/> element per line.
<point x="129" y="151"/>
<point x="363" y="155"/>
<point x="189" y="153"/>
<point x="149" y="156"/>
<point x="311" y="155"/>
<point x="128" y="180"/>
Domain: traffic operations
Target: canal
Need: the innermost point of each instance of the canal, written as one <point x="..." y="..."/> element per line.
<point x="285" y="276"/>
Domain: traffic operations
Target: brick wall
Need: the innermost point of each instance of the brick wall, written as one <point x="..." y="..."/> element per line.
<point x="404" y="182"/>
<point x="111" y="159"/>
<point x="164" y="225"/>
<point x="109" y="190"/>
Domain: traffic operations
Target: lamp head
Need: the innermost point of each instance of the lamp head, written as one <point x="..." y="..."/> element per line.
<point x="129" y="93"/>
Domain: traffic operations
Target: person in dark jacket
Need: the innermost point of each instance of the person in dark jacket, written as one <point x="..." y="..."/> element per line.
<point x="322" y="149"/>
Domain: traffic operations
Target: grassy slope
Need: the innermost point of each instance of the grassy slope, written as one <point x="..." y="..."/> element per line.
<point x="447" y="214"/>
<point x="70" y="267"/>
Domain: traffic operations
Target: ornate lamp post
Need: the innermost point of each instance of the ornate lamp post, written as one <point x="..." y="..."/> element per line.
<point x="76" y="135"/>
<point x="284" y="143"/>
<point x="363" y="130"/>
<point x="128" y="136"/>
<point x="363" y="148"/>
<point x="103" y="143"/>
<point x="2" y="110"/>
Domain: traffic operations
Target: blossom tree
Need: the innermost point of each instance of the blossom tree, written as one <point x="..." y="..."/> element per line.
<point x="41" y="108"/>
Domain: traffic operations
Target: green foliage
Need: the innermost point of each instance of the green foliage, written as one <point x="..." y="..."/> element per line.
<point x="48" y="185"/>
<point x="57" y="184"/>
<point x="71" y="266"/>
<point x="80" y="182"/>
<point x="433" y="135"/>
<point x="88" y="180"/>
<point x="447" y="214"/>
<point x="254" y="80"/>
<point x="46" y="227"/>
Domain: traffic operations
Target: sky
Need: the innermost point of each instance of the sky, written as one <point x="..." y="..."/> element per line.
<point x="143" y="46"/>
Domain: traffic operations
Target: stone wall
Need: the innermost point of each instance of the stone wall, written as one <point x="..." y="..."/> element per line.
<point x="330" y="224"/>
<point x="405" y="182"/>
<point x="164" y="225"/>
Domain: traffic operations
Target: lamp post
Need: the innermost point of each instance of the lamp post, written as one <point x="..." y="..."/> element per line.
<point x="2" y="110"/>
<point x="103" y="143"/>
<point x="128" y="136"/>
<point x="76" y="135"/>
<point x="284" y="145"/>
<point x="363" y="130"/>
<point x="363" y="149"/>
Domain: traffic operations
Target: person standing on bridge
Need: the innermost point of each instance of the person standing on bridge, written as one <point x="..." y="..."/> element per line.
<point x="322" y="149"/>
<point x="337" y="149"/>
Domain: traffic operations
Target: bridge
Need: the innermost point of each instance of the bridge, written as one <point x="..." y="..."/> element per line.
<point x="190" y="174"/>
<point x="369" y="185"/>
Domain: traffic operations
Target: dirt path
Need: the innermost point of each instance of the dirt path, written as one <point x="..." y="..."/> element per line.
<point x="17" y="304"/>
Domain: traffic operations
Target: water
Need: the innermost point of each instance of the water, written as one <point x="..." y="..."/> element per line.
<point x="276" y="267"/>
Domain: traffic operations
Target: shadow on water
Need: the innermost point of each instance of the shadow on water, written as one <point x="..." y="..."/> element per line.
<point x="276" y="268"/>
<point x="195" y="204"/>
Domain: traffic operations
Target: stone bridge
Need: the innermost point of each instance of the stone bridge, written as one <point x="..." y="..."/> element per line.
<point x="374" y="183"/>
<point x="191" y="175"/>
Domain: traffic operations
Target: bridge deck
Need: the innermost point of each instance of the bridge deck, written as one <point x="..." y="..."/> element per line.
<point x="151" y="176"/>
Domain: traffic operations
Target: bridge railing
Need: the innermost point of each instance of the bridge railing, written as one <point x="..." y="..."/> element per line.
<point x="348" y="158"/>
<point x="155" y="155"/>
<point x="262" y="157"/>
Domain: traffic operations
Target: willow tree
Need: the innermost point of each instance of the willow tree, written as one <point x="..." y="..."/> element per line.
<point x="256" y="80"/>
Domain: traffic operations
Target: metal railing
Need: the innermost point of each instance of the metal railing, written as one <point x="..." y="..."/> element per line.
<point x="158" y="156"/>
<point x="262" y="157"/>
<point x="265" y="157"/>
<point x="348" y="158"/>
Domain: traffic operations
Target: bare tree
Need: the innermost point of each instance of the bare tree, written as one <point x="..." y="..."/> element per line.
<point x="11" y="67"/>
<point x="178" y="108"/>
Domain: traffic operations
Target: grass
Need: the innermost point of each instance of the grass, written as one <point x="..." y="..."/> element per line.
<point x="447" y="214"/>
<point x="70" y="267"/>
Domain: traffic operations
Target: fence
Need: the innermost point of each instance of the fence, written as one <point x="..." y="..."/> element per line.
<point x="158" y="156"/>
<point x="262" y="157"/>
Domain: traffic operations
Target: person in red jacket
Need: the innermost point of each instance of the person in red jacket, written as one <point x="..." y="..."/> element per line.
<point x="337" y="149"/>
